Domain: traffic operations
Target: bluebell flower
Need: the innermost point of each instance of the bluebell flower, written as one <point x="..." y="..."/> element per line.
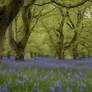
<point x="52" y="89"/>
<point x="45" y="78"/>
<point x="69" y="74"/>
<point x="60" y="89"/>
<point x="40" y="77"/>
<point x="68" y="90"/>
<point x="36" y="84"/>
<point x="66" y="80"/>
<point x="77" y="76"/>
<point x="35" y="71"/>
<point x="31" y="81"/>
<point x="37" y="78"/>
<point x="4" y="89"/>
<point x="83" y="85"/>
<point x="57" y="84"/>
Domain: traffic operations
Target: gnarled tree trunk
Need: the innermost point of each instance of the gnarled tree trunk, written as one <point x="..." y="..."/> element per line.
<point x="17" y="50"/>
<point x="19" y="47"/>
<point x="19" y="55"/>
<point x="61" y="36"/>
<point x="7" y="14"/>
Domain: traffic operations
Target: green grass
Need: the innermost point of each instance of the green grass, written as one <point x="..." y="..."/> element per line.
<point x="44" y="79"/>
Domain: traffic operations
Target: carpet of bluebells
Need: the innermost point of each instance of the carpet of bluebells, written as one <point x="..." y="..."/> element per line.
<point x="46" y="75"/>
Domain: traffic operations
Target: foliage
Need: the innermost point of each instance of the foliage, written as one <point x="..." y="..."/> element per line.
<point x="49" y="15"/>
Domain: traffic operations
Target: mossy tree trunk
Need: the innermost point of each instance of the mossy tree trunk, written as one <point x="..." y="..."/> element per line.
<point x="61" y="36"/>
<point x="19" y="47"/>
<point x="75" y="51"/>
<point x="1" y="45"/>
<point x="19" y="55"/>
<point x="17" y="50"/>
<point x="76" y="27"/>
<point x="15" y="31"/>
<point x="7" y="14"/>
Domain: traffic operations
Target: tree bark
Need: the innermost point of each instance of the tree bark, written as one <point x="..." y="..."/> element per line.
<point x="75" y="51"/>
<point x="15" y="31"/>
<point x="18" y="47"/>
<point x="7" y="14"/>
<point x="31" y="55"/>
<point x="19" y="55"/>
<point x="1" y="46"/>
<point x="61" y="55"/>
<point x="61" y="36"/>
<point x="17" y="50"/>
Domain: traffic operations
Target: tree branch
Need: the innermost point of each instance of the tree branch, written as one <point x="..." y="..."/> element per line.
<point x="70" y="6"/>
<point x="43" y="4"/>
<point x="9" y="12"/>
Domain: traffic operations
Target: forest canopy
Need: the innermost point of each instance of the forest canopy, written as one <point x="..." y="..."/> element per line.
<point x="46" y="28"/>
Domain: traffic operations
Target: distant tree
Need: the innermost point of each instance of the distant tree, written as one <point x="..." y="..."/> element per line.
<point x="77" y="27"/>
<point x="75" y="24"/>
<point x="57" y="38"/>
<point x="85" y="37"/>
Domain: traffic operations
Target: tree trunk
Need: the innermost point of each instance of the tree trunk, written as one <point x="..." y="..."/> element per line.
<point x="8" y="55"/>
<point x="17" y="49"/>
<point x="61" y="54"/>
<point x="75" y="52"/>
<point x="31" y="55"/>
<point x="7" y="14"/>
<point x="1" y="45"/>
<point x="15" y="31"/>
<point x="61" y="42"/>
<point x="61" y="36"/>
<point x="19" y="55"/>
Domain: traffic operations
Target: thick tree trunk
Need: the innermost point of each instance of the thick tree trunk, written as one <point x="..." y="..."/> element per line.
<point x="75" y="52"/>
<point x="18" y="47"/>
<point x="1" y="46"/>
<point x="61" y="39"/>
<point x="61" y="36"/>
<point x="61" y="55"/>
<point x="75" y="45"/>
<point x="19" y="55"/>
<point x="8" y="55"/>
<point x="15" y="31"/>
<point x="55" y="55"/>
<point x="7" y="14"/>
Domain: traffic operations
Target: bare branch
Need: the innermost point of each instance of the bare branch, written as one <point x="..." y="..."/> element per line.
<point x="70" y="6"/>
<point x="69" y="25"/>
<point x="48" y="31"/>
<point x="70" y="20"/>
<point x="40" y="13"/>
<point x="46" y="3"/>
<point x="72" y="41"/>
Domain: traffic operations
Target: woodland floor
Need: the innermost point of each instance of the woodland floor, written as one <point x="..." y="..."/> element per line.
<point x="46" y="75"/>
